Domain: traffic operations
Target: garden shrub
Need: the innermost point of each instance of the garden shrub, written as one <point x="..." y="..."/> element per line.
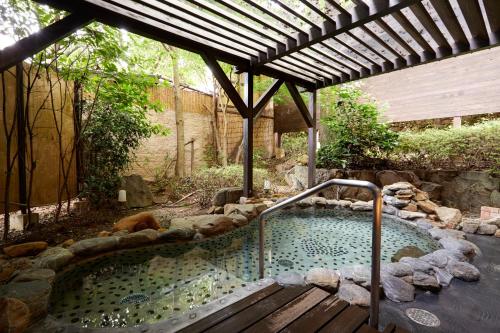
<point x="353" y="131"/>
<point x="294" y="144"/>
<point x="464" y="148"/>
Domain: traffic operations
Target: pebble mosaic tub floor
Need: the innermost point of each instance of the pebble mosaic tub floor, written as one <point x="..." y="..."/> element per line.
<point x="156" y="283"/>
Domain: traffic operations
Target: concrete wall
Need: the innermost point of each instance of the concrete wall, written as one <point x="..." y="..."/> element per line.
<point x="465" y="85"/>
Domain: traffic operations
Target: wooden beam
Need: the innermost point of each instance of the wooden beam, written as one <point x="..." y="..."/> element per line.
<point x="28" y="46"/>
<point x="248" y="136"/>
<point x="265" y="98"/>
<point x="21" y="137"/>
<point x="447" y="15"/>
<point x="492" y="9"/>
<point x="413" y="56"/>
<point x="474" y="18"/>
<point x="299" y="102"/>
<point x="311" y="141"/>
<point x="429" y="53"/>
<point x="226" y="84"/>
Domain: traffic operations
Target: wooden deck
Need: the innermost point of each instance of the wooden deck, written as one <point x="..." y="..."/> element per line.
<point x="291" y="309"/>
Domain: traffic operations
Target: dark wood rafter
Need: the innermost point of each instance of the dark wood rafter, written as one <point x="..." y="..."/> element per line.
<point x="446" y="14"/>
<point x="399" y="59"/>
<point x="226" y="84"/>
<point x="362" y="70"/>
<point x="386" y="65"/>
<point x="28" y="46"/>
<point x="248" y="136"/>
<point x="266" y="97"/>
<point x="311" y="141"/>
<point x="21" y="137"/>
<point x="492" y="9"/>
<point x="428" y="52"/>
<point x="375" y="66"/>
<point x="299" y="102"/>
<point x="474" y="19"/>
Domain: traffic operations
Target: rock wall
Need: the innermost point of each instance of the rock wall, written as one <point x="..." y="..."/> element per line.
<point x="465" y="190"/>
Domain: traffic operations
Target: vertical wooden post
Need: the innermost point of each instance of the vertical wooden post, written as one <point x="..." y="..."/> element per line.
<point x="311" y="142"/>
<point x="277" y="139"/>
<point x="77" y="126"/>
<point x="248" y="136"/>
<point x="21" y="136"/>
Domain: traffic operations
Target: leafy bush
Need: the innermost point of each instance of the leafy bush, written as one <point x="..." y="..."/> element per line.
<point x="353" y="131"/>
<point x="294" y="144"/>
<point x="467" y="147"/>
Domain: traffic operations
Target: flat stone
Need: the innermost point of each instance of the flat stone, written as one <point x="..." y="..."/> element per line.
<point x="318" y="201"/>
<point x="487" y="229"/>
<point x="227" y="195"/>
<point x="463" y="271"/>
<point x="238" y="219"/>
<point x="177" y="234"/>
<point x="356" y="273"/>
<point x="406" y="215"/>
<point x="393" y="201"/>
<point x="94" y="246"/>
<point x="396" y="269"/>
<point x="35" y="294"/>
<point x="249" y="210"/>
<point x="404" y="192"/>
<point x="438" y="233"/>
<point x="427" y="206"/>
<point x="423" y="224"/>
<point x="399" y="186"/>
<point x="388" y="177"/>
<point x="290" y="279"/>
<point x="138" y="238"/>
<point x="421" y="195"/>
<point x="304" y="203"/>
<point x="354" y="294"/>
<point x="404" y="197"/>
<point x="417" y="265"/>
<point x="362" y="206"/>
<point x="443" y="277"/>
<point x="411" y="207"/>
<point x="25" y="249"/>
<point x="461" y="245"/>
<point x="208" y="224"/>
<point x="450" y="254"/>
<point x="323" y="277"/>
<point x="14" y="315"/>
<point x="397" y="290"/>
<point x="391" y="210"/>
<point x="138" y="193"/>
<point x="470" y="227"/>
<point x="54" y="258"/>
<point x="426" y="282"/>
<point x="407" y="251"/>
<point x="450" y="216"/>
<point x="35" y="274"/>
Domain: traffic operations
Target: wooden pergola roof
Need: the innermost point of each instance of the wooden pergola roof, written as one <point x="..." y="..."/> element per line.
<point x="298" y="42"/>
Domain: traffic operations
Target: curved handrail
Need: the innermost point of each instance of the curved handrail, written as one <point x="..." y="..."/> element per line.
<point x="376" y="233"/>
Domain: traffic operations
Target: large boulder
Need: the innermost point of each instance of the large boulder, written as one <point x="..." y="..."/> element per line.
<point x="397" y="269"/>
<point x="426" y="282"/>
<point x="487" y="229"/>
<point x="14" y="315"/>
<point x="417" y="265"/>
<point x="207" y="225"/>
<point x="427" y="206"/>
<point x="290" y="279"/>
<point x="354" y="294"/>
<point x="470" y="226"/>
<point x="407" y="251"/>
<point x="35" y="294"/>
<point x="388" y="177"/>
<point x="432" y="189"/>
<point x="357" y="273"/>
<point x="35" y="274"/>
<point x="406" y="215"/>
<point x="451" y="217"/>
<point x="250" y="211"/>
<point x="461" y="245"/>
<point x="25" y="249"/>
<point x="362" y="205"/>
<point x="393" y="201"/>
<point x="138" y="238"/>
<point x="92" y="246"/>
<point x="227" y="195"/>
<point x="397" y="290"/>
<point x="463" y="271"/>
<point x="323" y="277"/>
<point x="138" y="193"/>
<point x="54" y="258"/>
<point x="137" y="222"/>
<point x="438" y="233"/>
<point x="177" y="234"/>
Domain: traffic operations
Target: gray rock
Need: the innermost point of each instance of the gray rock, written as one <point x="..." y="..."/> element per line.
<point x="396" y="269"/>
<point x="438" y="233"/>
<point x="443" y="277"/>
<point x="138" y="238"/>
<point x="356" y="273"/>
<point x="461" y="245"/>
<point x="138" y="193"/>
<point x="426" y="282"/>
<point x="54" y="258"/>
<point x="177" y="234"/>
<point x="35" y="274"/>
<point x="451" y="254"/>
<point x="208" y="224"/>
<point x="393" y="201"/>
<point x="407" y="251"/>
<point x="451" y="217"/>
<point x="227" y="195"/>
<point x="417" y="265"/>
<point x="435" y="260"/>
<point x="423" y="224"/>
<point x="463" y="271"/>
<point x="388" y="177"/>
<point x="323" y="277"/>
<point x="487" y="229"/>
<point x="433" y="189"/>
<point x="398" y="290"/>
<point x="354" y="294"/>
<point x="362" y="205"/>
<point x="318" y="201"/>
<point x="493" y="221"/>
<point x="35" y="294"/>
<point x="250" y="211"/>
<point x="399" y="186"/>
<point x="238" y="219"/>
<point x="93" y="246"/>
<point x="407" y="215"/>
<point x="290" y="279"/>
<point x="470" y="227"/>
<point x="304" y="203"/>
<point x="391" y="210"/>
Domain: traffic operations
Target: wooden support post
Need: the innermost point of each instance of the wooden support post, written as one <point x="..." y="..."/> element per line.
<point x="311" y="142"/>
<point x="21" y="136"/>
<point x="77" y="126"/>
<point x="248" y="136"/>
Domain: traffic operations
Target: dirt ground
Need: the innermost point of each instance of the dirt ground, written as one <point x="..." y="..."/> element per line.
<point x="88" y="225"/>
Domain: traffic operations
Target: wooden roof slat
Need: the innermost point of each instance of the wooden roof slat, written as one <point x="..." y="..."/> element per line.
<point x="287" y="70"/>
<point x="299" y="63"/>
<point x="368" y="47"/>
<point x="428" y="23"/>
<point x="318" y="11"/>
<point x="354" y="50"/>
<point x="474" y="18"/>
<point x="399" y="61"/>
<point x="284" y="63"/>
<point x="429" y="52"/>
<point x="336" y="60"/>
<point x="492" y="9"/>
<point x="413" y="56"/>
<point x="297" y="14"/>
<point x="446" y="14"/>
<point x="313" y="59"/>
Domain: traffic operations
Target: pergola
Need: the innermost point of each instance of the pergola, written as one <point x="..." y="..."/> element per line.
<point x="302" y="44"/>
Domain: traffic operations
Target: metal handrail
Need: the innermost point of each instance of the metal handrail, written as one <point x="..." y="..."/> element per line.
<point x="376" y="233"/>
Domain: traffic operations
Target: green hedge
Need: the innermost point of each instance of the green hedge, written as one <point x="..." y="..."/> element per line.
<point x="465" y="148"/>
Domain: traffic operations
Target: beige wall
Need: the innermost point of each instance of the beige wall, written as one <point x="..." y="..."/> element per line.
<point x="465" y="85"/>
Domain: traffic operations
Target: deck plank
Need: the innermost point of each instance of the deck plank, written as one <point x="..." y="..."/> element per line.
<point x="347" y="321"/>
<point x="366" y="329"/>
<point x="217" y="317"/>
<point x="318" y="316"/>
<point x="289" y="312"/>
<point x="259" y="310"/>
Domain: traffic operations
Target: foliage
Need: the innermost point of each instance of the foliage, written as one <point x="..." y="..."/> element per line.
<point x="353" y="131"/>
<point x="294" y="144"/>
<point x="208" y="181"/>
<point x="466" y="148"/>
